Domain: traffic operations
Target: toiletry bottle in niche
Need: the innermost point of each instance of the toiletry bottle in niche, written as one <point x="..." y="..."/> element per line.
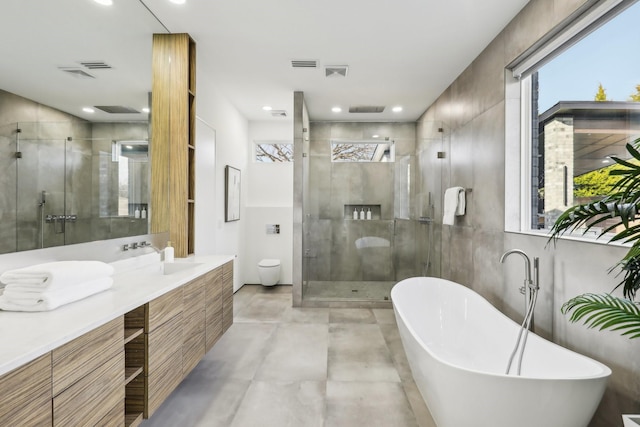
<point x="168" y="252"/>
<point x="362" y="214"/>
<point x="355" y="213"/>
<point x="143" y="213"/>
<point x="136" y="213"/>
<point x="369" y="214"/>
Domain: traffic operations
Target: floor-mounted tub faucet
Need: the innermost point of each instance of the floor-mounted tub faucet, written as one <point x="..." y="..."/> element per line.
<point x="527" y="270"/>
<point x="530" y="291"/>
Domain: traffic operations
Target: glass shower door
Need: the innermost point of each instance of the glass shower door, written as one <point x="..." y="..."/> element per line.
<point x="40" y="201"/>
<point x="358" y="231"/>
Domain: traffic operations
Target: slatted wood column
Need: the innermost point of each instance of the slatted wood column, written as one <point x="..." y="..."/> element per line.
<point x="173" y="140"/>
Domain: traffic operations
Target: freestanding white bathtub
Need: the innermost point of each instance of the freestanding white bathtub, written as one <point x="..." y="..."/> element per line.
<point x="458" y="346"/>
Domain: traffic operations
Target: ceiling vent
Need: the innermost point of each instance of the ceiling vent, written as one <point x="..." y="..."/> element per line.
<point x="366" y="109"/>
<point x="336" y="70"/>
<point x="116" y="109"/>
<point x="278" y="113"/>
<point x="96" y="65"/>
<point x="77" y="72"/>
<point x="304" y="63"/>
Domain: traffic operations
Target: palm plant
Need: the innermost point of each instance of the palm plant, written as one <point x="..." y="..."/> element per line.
<point x="620" y="208"/>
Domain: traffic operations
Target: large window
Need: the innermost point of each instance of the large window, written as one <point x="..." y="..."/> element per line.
<point x="581" y="108"/>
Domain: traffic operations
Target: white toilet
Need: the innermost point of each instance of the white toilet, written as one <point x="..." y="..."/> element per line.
<point x="269" y="271"/>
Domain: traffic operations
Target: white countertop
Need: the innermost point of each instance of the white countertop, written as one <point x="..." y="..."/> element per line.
<point x="25" y="336"/>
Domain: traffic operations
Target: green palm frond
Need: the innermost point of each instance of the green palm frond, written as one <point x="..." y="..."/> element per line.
<point x="620" y="208"/>
<point x="605" y="312"/>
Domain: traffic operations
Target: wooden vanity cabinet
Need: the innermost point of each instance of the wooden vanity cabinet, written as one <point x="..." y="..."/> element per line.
<point x="163" y="337"/>
<point x="181" y="327"/>
<point x="213" y="307"/>
<point x="88" y="377"/>
<point x="227" y="296"/>
<point x="25" y="396"/>
<point x="193" y="324"/>
<point x="122" y="371"/>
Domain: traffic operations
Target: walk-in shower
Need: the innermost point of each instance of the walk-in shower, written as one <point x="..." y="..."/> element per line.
<point x="360" y="222"/>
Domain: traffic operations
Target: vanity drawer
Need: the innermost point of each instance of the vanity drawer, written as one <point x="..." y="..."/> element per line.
<point x="213" y="308"/>
<point x="162" y="343"/>
<point x="193" y="294"/>
<point x="193" y="313"/>
<point x="91" y="398"/>
<point x="162" y="381"/>
<point x="163" y="308"/>
<point x="25" y="394"/>
<point x="86" y="353"/>
<point x="192" y="352"/>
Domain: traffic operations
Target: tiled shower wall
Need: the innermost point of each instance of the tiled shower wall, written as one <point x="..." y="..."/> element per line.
<point x="475" y="139"/>
<point x="66" y="169"/>
<point x="331" y="234"/>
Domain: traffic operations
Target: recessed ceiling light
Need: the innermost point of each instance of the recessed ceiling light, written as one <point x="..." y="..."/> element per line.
<point x="336" y="109"/>
<point x="88" y="110"/>
<point x="146" y="110"/>
<point x="104" y="2"/>
<point x="267" y="108"/>
<point x="376" y="136"/>
<point x="178" y="1"/>
<point x="397" y="109"/>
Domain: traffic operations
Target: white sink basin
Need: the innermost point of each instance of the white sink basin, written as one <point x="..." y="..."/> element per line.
<point x="177" y="267"/>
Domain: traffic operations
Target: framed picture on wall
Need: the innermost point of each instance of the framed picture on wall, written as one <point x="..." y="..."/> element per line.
<point x="231" y="194"/>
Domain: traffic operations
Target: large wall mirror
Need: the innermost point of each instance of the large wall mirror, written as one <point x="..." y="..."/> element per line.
<point x="74" y="121"/>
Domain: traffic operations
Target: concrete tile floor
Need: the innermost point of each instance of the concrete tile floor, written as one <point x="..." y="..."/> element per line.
<point x="296" y="367"/>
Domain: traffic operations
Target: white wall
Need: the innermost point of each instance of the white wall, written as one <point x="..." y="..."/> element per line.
<point x="269" y="201"/>
<point x="221" y="137"/>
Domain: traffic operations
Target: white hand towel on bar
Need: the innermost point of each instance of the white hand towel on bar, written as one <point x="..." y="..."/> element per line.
<point x="53" y="275"/>
<point x="454" y="204"/>
<point x="15" y="300"/>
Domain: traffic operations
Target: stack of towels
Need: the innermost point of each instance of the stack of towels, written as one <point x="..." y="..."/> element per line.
<point x="47" y="286"/>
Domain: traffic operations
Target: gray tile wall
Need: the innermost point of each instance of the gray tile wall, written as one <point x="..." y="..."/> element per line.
<point x="472" y="114"/>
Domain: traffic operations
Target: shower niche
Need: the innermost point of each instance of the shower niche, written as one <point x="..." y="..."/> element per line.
<point x="362" y="211"/>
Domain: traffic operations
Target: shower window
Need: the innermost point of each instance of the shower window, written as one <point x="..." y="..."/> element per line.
<point x="362" y="151"/>
<point x="273" y="152"/>
<point x="580" y="108"/>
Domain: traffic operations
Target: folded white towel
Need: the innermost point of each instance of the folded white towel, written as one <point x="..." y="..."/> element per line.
<point x="15" y="300"/>
<point x="54" y="275"/>
<point x="454" y="203"/>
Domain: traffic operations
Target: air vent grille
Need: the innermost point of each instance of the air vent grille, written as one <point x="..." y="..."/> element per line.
<point x="278" y="113"/>
<point x="336" y="71"/>
<point x="77" y="73"/>
<point x="96" y="65"/>
<point x="366" y="109"/>
<point x="116" y="109"/>
<point x="304" y="63"/>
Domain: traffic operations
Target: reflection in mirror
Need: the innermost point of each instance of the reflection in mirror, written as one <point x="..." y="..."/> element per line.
<point x="362" y="151"/>
<point x="60" y="183"/>
<point x="67" y="186"/>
